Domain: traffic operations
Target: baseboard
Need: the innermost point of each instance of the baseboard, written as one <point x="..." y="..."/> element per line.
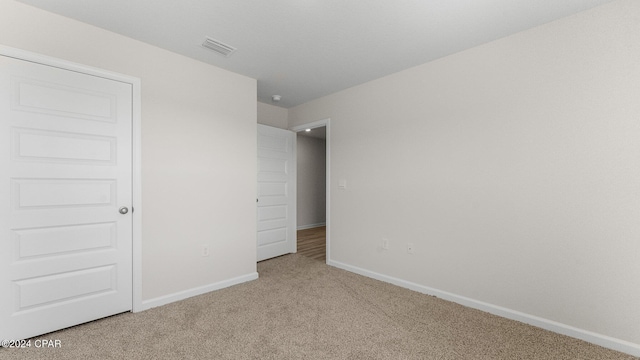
<point x="588" y="336"/>
<point x="310" y="226"/>
<point x="167" y="299"/>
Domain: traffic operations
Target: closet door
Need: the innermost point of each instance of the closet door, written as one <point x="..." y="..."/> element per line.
<point x="65" y="198"/>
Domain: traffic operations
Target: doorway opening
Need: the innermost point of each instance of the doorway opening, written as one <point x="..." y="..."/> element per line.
<point x="312" y="184"/>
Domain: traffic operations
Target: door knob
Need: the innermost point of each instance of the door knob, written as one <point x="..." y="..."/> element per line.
<point x="123" y="210"/>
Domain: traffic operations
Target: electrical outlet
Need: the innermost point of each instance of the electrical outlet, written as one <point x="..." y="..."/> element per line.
<point x="205" y="250"/>
<point x="385" y="244"/>
<point x="409" y="248"/>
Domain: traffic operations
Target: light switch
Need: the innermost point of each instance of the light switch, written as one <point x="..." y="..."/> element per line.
<point x="342" y="184"/>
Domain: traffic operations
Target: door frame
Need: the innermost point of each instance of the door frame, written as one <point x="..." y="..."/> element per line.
<point x="136" y="201"/>
<point x="316" y="124"/>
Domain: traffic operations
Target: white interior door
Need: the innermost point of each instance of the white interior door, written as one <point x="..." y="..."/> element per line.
<point x="65" y="160"/>
<point x="276" y="192"/>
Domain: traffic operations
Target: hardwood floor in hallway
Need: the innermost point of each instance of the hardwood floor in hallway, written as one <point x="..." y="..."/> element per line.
<point x="312" y="243"/>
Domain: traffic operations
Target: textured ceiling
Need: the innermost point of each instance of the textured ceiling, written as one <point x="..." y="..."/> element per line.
<point x="305" y="49"/>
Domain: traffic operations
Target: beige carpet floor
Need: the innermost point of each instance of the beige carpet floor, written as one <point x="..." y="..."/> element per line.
<point x="303" y="309"/>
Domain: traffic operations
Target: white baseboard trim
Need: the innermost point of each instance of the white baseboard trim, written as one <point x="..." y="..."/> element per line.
<point x="310" y="226"/>
<point x="588" y="336"/>
<point x="167" y="299"/>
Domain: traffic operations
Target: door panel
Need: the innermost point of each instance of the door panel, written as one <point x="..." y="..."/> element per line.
<point x="276" y="213"/>
<point x="66" y="169"/>
<point x="58" y="240"/>
<point x="51" y="289"/>
<point x="47" y="146"/>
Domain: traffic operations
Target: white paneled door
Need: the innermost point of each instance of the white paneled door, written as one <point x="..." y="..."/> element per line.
<point x="65" y="198"/>
<point x="276" y="192"/>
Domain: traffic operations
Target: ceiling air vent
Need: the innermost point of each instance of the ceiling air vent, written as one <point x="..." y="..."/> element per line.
<point x="219" y="47"/>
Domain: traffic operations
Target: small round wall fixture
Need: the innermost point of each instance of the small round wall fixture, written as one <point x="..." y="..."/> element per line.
<point x="276" y="98"/>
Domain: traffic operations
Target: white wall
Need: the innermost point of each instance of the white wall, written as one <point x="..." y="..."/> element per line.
<point x="514" y="168"/>
<point x="272" y="115"/>
<point x="198" y="148"/>
<point x="311" y="182"/>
